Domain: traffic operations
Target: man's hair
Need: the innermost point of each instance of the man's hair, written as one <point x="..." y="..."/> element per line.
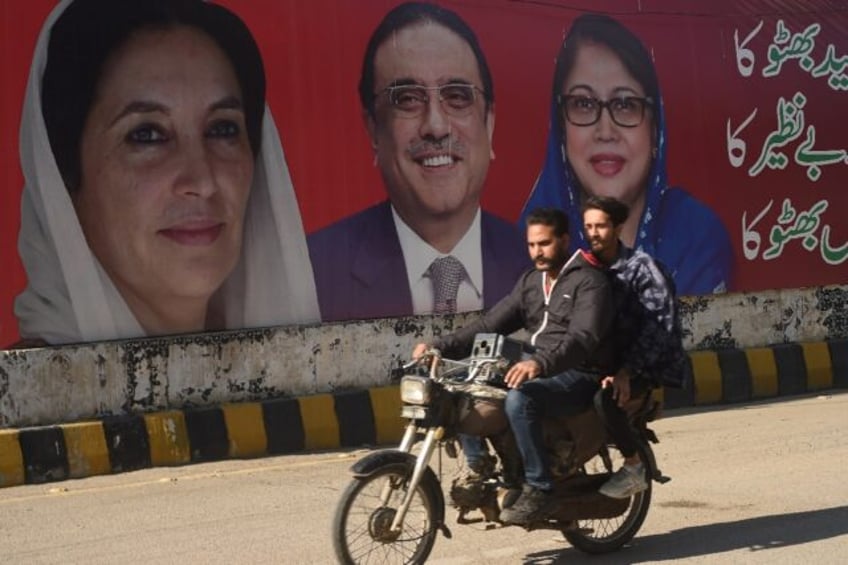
<point x="606" y="31"/>
<point x="552" y="217"/>
<point x="90" y="31"/>
<point x="409" y="14"/>
<point x="612" y="207"/>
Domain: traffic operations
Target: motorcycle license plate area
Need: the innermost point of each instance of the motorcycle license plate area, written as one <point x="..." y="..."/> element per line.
<point x="491" y="356"/>
<point x="491" y="346"/>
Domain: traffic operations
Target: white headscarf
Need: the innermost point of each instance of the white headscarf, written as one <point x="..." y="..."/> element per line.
<point x="69" y="298"/>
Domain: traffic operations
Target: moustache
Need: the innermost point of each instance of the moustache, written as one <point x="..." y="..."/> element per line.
<point x="427" y="147"/>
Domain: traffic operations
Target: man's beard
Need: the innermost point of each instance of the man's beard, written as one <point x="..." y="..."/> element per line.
<point x="602" y="250"/>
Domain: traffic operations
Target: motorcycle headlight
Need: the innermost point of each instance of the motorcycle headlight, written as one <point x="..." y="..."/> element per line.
<point x="416" y="390"/>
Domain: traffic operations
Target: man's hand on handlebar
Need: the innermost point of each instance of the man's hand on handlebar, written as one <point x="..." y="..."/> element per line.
<point x="521" y="372"/>
<point x="420" y="350"/>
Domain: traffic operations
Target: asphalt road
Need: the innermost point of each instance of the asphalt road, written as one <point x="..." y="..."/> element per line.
<point x="753" y="483"/>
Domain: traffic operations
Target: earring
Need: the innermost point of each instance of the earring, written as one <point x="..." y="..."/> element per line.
<point x="654" y="152"/>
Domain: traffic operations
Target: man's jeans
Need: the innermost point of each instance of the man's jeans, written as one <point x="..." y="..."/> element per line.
<point x="474" y="450"/>
<point x="616" y="420"/>
<point x="566" y="394"/>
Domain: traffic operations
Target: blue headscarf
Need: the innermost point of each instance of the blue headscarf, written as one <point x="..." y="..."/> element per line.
<point x="557" y="184"/>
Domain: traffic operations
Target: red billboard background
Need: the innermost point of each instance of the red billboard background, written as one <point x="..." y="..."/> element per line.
<point x="731" y="75"/>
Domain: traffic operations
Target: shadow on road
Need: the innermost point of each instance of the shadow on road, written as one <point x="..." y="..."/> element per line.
<point x="753" y="534"/>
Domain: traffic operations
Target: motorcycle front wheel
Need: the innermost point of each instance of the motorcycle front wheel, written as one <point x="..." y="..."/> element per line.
<point x="597" y="536"/>
<point x="362" y="524"/>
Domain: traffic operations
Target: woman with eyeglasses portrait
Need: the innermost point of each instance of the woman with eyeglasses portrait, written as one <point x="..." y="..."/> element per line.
<point x="608" y="138"/>
<point x="157" y="198"/>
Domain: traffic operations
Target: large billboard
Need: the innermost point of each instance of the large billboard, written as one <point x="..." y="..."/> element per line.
<point x="407" y="197"/>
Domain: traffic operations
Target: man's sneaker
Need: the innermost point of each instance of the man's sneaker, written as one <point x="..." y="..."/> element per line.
<point x="625" y="482"/>
<point x="531" y="505"/>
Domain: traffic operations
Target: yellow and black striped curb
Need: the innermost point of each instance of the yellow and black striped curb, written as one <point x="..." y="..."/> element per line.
<point x="738" y="375"/>
<point x="355" y="418"/>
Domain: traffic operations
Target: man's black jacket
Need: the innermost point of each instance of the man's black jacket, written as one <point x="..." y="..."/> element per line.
<point x="572" y="331"/>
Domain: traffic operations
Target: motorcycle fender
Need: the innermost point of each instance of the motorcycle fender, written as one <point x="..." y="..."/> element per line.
<point x="390" y="457"/>
<point x="379" y="459"/>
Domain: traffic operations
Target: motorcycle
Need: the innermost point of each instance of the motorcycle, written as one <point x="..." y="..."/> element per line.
<point x="394" y="507"/>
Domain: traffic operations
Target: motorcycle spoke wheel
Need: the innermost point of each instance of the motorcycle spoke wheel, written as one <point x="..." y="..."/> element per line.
<point x="605" y="535"/>
<point x="362" y="525"/>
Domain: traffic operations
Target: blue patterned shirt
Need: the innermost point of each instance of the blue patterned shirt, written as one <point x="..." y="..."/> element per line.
<point x="648" y="337"/>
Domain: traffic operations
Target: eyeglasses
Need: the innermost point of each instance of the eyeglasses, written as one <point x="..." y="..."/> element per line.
<point x="410" y="100"/>
<point x="625" y="111"/>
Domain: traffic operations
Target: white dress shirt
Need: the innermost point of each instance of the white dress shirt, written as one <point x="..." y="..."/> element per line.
<point x="418" y="255"/>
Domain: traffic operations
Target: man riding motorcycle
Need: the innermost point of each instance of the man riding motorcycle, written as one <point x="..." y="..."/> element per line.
<point x="566" y="304"/>
<point x="648" y="340"/>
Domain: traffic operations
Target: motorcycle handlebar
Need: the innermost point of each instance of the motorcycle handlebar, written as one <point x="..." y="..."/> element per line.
<point x="428" y="356"/>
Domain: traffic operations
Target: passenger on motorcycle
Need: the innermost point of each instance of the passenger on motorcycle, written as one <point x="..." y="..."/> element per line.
<point x="566" y="304"/>
<point x="648" y="345"/>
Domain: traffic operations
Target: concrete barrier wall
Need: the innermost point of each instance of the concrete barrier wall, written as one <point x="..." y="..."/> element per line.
<point x="54" y="385"/>
<point x="747" y="320"/>
<point x="357" y="418"/>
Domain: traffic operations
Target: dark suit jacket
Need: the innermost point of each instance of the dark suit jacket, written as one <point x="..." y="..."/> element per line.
<point x="360" y="272"/>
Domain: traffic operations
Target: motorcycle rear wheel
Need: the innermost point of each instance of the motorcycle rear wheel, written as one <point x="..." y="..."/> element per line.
<point x="598" y="536"/>
<point x="361" y="525"/>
